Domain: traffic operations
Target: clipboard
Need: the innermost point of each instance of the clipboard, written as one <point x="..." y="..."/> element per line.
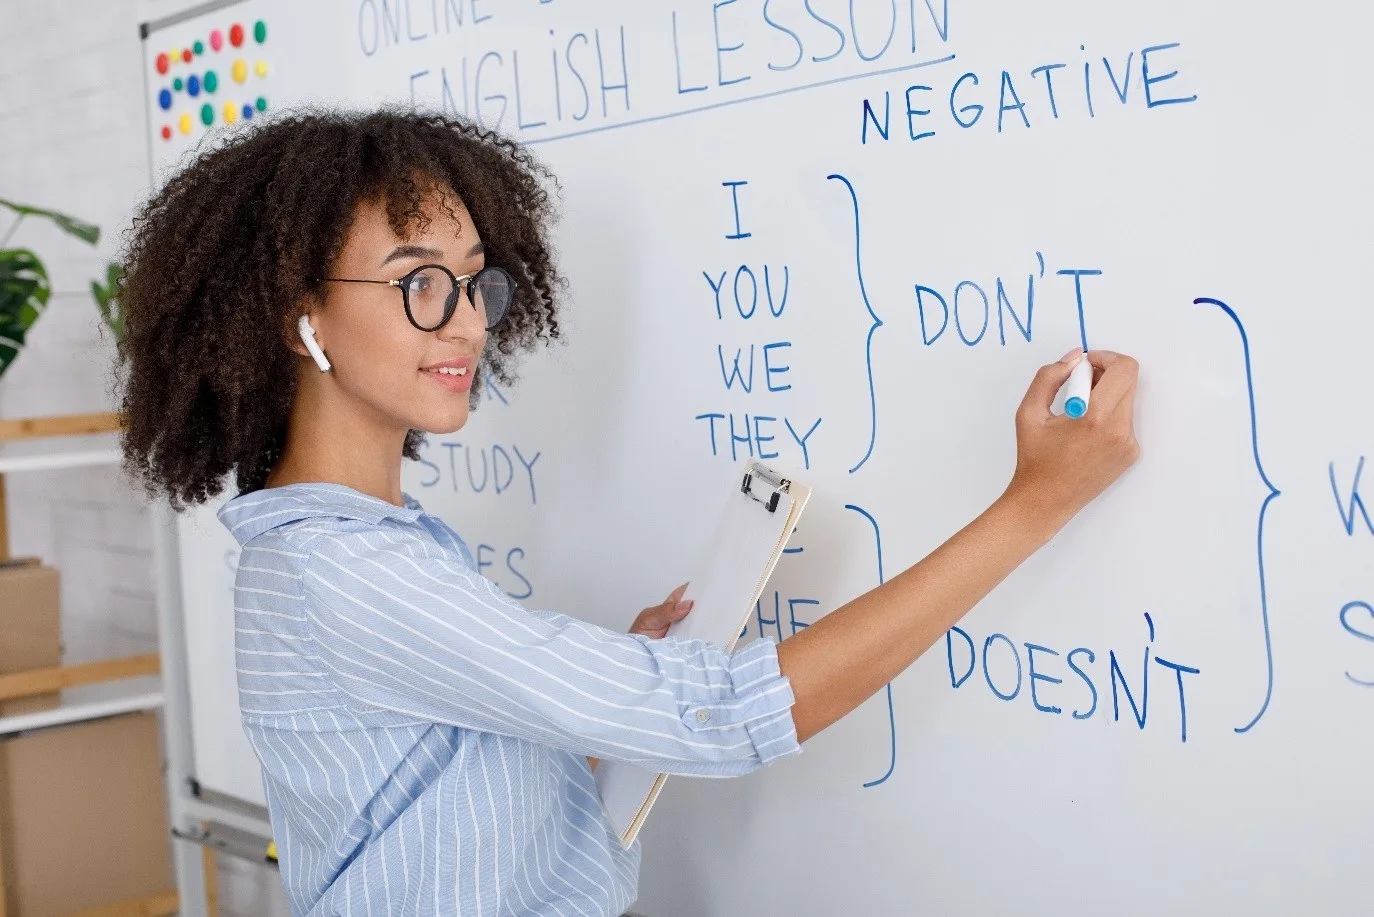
<point x="758" y="517"/>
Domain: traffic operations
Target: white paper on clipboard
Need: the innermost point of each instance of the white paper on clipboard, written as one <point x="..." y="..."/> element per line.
<point x="754" y="525"/>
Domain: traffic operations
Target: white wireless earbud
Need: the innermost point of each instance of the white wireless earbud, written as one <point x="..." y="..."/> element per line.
<point x="308" y="339"/>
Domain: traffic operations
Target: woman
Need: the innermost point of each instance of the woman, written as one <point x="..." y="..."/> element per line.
<point x="303" y="302"/>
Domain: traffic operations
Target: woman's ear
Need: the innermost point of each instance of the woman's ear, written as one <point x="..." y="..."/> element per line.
<point x="291" y="332"/>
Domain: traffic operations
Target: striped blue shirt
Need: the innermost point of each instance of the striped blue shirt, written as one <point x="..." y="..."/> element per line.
<point x="423" y="737"/>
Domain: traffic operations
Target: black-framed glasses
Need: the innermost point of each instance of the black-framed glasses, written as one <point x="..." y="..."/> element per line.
<point x="430" y="293"/>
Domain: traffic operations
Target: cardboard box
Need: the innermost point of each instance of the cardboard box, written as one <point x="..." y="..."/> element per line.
<point x="83" y="813"/>
<point x="83" y="816"/>
<point x="30" y="625"/>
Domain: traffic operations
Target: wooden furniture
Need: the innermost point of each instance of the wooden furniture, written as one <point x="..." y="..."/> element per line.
<point x="92" y="690"/>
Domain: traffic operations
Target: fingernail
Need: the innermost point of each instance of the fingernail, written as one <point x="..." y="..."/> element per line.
<point x="684" y="606"/>
<point x="1072" y="356"/>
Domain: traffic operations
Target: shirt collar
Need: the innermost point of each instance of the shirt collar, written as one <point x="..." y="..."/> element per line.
<point x="249" y="515"/>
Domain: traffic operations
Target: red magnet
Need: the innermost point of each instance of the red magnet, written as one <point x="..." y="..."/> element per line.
<point x="236" y="35"/>
<point x="186" y="55"/>
<point x="163" y="63"/>
<point x="166" y="132"/>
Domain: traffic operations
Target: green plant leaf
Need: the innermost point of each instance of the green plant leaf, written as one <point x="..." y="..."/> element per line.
<point x="107" y="299"/>
<point x="88" y="232"/>
<point x="24" y="292"/>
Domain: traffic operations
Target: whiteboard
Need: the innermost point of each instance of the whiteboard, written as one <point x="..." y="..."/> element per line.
<point x="878" y="206"/>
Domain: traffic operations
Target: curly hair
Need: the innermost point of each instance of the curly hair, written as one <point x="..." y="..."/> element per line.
<point x="222" y="258"/>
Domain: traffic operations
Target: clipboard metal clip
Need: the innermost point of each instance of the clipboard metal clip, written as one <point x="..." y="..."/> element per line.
<point x="776" y="485"/>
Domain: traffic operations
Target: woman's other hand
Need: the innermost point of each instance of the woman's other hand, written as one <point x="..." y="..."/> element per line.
<point x="654" y="622"/>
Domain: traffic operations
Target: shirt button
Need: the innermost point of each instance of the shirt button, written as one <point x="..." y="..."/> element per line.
<point x="703" y="716"/>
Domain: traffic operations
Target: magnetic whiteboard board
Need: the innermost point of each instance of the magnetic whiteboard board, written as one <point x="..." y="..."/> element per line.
<point x="841" y="236"/>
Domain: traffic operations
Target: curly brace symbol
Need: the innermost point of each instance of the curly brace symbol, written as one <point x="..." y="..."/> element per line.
<point x="877" y="323"/>
<point x="1264" y="508"/>
<point x="891" y="715"/>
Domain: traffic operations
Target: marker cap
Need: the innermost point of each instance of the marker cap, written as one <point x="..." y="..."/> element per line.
<point x="1078" y="388"/>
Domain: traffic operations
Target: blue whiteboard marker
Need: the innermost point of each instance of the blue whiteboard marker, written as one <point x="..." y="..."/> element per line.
<point x="1078" y="388"/>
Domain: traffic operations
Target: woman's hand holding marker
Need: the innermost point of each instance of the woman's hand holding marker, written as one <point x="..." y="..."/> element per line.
<point x="1064" y="462"/>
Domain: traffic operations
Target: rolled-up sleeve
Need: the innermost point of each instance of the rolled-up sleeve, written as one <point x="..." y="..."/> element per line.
<point x="401" y="626"/>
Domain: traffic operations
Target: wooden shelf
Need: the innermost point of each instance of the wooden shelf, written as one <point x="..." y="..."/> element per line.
<point x="69" y="441"/>
<point x="91" y="702"/>
<point x="94" y="690"/>
<point x="35" y="682"/>
<point x="64" y="425"/>
<point x="89" y="691"/>
<point x="162" y="904"/>
<point x="63" y="452"/>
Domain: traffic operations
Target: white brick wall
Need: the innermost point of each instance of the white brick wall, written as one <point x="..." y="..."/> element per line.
<point x="72" y="138"/>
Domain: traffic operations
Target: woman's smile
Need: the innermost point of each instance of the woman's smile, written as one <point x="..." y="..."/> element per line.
<point x="454" y="375"/>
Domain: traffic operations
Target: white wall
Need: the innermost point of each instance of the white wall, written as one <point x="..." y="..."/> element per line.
<point x="72" y="138"/>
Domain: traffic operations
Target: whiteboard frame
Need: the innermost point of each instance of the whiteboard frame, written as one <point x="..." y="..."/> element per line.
<point x="194" y="815"/>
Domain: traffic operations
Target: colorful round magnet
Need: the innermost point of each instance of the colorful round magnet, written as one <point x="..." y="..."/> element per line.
<point x="166" y="132"/>
<point x="185" y="122"/>
<point x="207" y="114"/>
<point x="193" y="85"/>
<point x="231" y="112"/>
<point x="211" y="81"/>
<point x="216" y="39"/>
<point x="239" y="71"/>
<point x="261" y="68"/>
<point x="260" y="31"/>
<point x="162" y="63"/>
<point x="236" y="35"/>
<point x="261" y="104"/>
<point x="164" y="99"/>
